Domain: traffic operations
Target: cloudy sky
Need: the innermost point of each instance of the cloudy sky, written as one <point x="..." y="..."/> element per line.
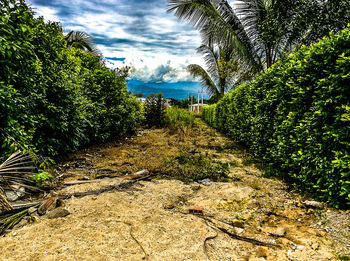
<point x="132" y="32"/>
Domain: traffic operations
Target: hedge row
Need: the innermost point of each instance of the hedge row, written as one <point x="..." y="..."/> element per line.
<point x="55" y="98"/>
<point x="295" y="116"/>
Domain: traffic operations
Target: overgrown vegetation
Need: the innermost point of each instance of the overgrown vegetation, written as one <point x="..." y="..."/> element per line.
<point x="154" y="110"/>
<point x="295" y="117"/>
<point x="54" y="97"/>
<point x="188" y="166"/>
<point x="179" y="120"/>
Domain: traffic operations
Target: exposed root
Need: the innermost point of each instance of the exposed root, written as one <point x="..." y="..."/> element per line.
<point x="234" y="236"/>
<point x="208" y="238"/>
<point x="134" y="238"/>
<point x="241" y="238"/>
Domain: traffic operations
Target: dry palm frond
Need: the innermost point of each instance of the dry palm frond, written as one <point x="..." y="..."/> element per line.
<point x="3" y="202"/>
<point x="18" y="169"/>
<point x="10" y="221"/>
<point x="12" y="217"/>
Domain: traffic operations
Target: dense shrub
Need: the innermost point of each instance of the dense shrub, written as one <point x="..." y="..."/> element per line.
<point x="296" y="117"/>
<point x="154" y="109"/>
<point x="55" y="98"/>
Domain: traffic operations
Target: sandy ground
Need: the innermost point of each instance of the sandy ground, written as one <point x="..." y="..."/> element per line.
<point x="150" y="221"/>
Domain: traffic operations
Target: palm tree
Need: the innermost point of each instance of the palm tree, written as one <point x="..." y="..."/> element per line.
<point x="259" y="31"/>
<point x="221" y="71"/>
<point x="82" y="41"/>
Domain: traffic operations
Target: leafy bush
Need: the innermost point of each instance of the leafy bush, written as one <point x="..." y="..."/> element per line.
<point x="55" y="98"/>
<point x="154" y="108"/>
<point x="179" y="120"/>
<point x="295" y="117"/>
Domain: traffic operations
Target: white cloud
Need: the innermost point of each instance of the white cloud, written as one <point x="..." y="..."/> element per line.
<point x="139" y="31"/>
<point x="48" y="13"/>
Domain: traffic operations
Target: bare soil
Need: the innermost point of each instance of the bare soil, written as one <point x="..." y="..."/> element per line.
<point x="150" y="220"/>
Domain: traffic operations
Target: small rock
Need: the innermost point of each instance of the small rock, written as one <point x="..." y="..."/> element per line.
<point x="14" y="234"/>
<point x="205" y="182"/>
<point x="58" y="212"/>
<point x="195" y="187"/>
<point x="300" y="248"/>
<point x="313" y="204"/>
<point x="279" y="232"/>
<point x="17" y="193"/>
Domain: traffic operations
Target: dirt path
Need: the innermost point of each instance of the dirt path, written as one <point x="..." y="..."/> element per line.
<point x="150" y="221"/>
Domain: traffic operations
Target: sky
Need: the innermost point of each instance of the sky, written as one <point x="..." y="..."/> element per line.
<point x="138" y="33"/>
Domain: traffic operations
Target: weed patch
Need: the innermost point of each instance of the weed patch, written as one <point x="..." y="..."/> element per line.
<point x="192" y="167"/>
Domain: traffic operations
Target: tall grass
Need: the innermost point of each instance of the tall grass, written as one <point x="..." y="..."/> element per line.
<point x="179" y="120"/>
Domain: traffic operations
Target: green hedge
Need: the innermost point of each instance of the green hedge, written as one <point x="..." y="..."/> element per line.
<point x="295" y="116"/>
<point x="55" y="98"/>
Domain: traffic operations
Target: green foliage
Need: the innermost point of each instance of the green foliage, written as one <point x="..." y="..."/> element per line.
<point x="179" y="120"/>
<point x="41" y="177"/>
<point x="188" y="167"/>
<point x="55" y="98"/>
<point x="154" y="108"/>
<point x="295" y="116"/>
<point x="220" y="73"/>
<point x="261" y="32"/>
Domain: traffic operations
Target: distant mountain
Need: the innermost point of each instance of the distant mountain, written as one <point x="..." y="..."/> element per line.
<point x="178" y="90"/>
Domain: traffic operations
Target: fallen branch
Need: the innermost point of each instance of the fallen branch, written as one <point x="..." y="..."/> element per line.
<point x="79" y="182"/>
<point x="122" y="186"/>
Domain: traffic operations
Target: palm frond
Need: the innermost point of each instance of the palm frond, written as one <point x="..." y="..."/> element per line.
<point x="207" y="83"/>
<point x="11" y="221"/>
<point x="217" y="23"/>
<point x="12" y="217"/>
<point x="83" y="41"/>
<point x="3" y="201"/>
<point x="18" y="169"/>
<point x="211" y="57"/>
